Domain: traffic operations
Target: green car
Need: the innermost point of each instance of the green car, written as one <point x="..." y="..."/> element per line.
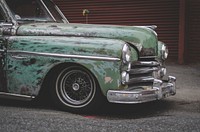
<point x="78" y="65"/>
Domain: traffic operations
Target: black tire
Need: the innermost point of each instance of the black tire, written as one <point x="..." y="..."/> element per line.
<point x="75" y="90"/>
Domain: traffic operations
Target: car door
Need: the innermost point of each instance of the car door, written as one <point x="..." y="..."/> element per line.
<point x="3" y="81"/>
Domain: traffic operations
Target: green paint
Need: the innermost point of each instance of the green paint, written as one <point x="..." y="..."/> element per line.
<point x="137" y="36"/>
<point x="67" y="45"/>
<point x="31" y="49"/>
<point x="26" y="75"/>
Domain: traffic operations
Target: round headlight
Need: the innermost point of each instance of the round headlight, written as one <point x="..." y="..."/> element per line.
<point x="126" y="54"/>
<point x="164" y="51"/>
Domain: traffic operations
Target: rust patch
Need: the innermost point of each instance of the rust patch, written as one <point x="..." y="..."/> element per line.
<point x="24" y="90"/>
<point x="147" y="52"/>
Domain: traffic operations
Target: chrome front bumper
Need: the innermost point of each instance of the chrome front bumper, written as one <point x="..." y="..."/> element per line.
<point x="159" y="90"/>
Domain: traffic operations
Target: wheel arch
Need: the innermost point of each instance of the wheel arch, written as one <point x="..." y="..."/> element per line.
<point x="58" y="68"/>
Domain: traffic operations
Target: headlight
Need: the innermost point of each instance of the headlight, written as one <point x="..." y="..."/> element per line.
<point x="164" y="51"/>
<point x="126" y="54"/>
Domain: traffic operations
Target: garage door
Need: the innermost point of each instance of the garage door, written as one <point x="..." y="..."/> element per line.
<point x="193" y="36"/>
<point x="163" y="13"/>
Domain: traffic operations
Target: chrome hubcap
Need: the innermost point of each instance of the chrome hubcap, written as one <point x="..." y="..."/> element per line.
<point x="75" y="86"/>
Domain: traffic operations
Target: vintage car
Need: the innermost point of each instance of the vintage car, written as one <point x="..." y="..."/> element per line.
<point x="78" y="65"/>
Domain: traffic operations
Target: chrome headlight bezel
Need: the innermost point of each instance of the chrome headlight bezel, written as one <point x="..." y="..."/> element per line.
<point x="126" y="54"/>
<point x="164" y="52"/>
<point x="126" y="63"/>
<point x="125" y="77"/>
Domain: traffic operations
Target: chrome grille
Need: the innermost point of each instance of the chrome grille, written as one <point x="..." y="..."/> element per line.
<point x="142" y="73"/>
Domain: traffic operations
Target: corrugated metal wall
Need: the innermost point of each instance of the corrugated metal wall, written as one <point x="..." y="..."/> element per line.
<point x="163" y="13"/>
<point x="193" y="36"/>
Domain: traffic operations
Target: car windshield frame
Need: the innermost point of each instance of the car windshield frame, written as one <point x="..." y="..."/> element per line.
<point x="47" y="10"/>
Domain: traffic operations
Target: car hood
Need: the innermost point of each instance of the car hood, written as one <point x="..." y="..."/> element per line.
<point x="142" y="38"/>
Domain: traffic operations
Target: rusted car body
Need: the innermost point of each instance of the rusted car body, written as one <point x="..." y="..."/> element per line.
<point x="78" y="64"/>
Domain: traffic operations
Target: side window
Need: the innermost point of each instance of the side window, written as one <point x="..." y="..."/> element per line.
<point x="2" y="17"/>
<point x="26" y="9"/>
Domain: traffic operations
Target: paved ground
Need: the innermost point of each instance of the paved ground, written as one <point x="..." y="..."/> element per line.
<point x="179" y="113"/>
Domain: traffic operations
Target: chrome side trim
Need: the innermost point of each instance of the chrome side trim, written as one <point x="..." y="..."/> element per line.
<point x="18" y="57"/>
<point x="6" y="24"/>
<point x="15" y="52"/>
<point x="16" y="96"/>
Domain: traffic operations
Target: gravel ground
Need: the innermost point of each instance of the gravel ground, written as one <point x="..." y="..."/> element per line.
<point x="180" y="113"/>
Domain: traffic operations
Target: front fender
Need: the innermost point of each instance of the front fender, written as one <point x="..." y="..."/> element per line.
<point x="29" y="59"/>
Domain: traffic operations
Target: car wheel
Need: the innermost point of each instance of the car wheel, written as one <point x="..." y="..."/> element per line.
<point x="75" y="89"/>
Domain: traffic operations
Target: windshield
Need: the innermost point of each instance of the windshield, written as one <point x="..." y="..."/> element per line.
<point x="35" y="10"/>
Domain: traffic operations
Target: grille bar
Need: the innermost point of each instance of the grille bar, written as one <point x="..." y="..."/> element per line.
<point x="146" y="63"/>
<point x="141" y="80"/>
<point x="143" y="72"/>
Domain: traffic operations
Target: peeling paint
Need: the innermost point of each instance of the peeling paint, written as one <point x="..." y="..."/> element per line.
<point x="137" y="36"/>
<point x="108" y="80"/>
<point x="33" y="49"/>
<point x="30" y="71"/>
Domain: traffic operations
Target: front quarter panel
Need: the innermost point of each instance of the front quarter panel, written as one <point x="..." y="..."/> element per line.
<point x="26" y="72"/>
